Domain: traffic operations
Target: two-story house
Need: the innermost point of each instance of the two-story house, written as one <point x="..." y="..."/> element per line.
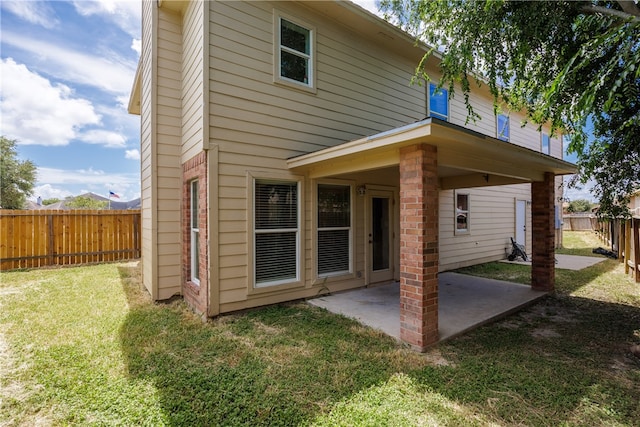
<point x="285" y="151"/>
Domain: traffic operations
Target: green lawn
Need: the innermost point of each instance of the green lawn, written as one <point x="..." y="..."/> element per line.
<point x="85" y="346"/>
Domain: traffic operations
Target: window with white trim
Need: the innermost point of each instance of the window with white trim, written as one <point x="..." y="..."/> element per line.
<point x="194" y="250"/>
<point x="276" y="232"/>
<point x="462" y="213"/>
<point x="502" y="126"/>
<point x="334" y="229"/>
<point x="438" y="102"/>
<point x="545" y="144"/>
<point x="295" y="50"/>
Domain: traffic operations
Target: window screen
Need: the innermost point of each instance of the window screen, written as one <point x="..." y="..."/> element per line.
<point x="462" y="213"/>
<point x="546" y="145"/>
<point x="503" y="127"/>
<point x="438" y="102"/>
<point x="276" y="232"/>
<point x="295" y="52"/>
<point x="195" y="234"/>
<point x="334" y="229"/>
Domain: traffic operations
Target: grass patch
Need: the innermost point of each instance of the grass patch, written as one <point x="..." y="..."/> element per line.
<point x="579" y="243"/>
<point x="85" y="346"/>
<point x="605" y="281"/>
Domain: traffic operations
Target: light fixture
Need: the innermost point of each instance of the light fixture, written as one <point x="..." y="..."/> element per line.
<point x="362" y="189"/>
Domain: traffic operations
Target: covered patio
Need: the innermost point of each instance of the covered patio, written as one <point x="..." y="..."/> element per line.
<point x="465" y="302"/>
<point x="434" y="155"/>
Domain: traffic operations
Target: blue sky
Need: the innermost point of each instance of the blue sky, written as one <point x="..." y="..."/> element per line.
<point x="66" y="73"/>
<point x="67" y="69"/>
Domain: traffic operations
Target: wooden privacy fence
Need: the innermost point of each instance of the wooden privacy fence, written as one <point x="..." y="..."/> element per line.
<point x="37" y="238"/>
<point x="579" y="222"/>
<point x="623" y="236"/>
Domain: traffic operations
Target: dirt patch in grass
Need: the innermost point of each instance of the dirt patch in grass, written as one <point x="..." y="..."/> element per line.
<point x="435" y="358"/>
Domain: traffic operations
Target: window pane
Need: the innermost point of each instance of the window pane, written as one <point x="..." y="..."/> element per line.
<point x="334" y="206"/>
<point x="195" y="256"/>
<point x="276" y="205"/>
<point x="333" y="251"/>
<point x="276" y="257"/>
<point x="380" y="233"/>
<point x="295" y="37"/>
<point x="194" y="204"/>
<point x="438" y="102"/>
<point x="462" y="212"/>
<point x="463" y="202"/>
<point x="503" y="127"/>
<point x="546" y="146"/>
<point x="294" y="67"/>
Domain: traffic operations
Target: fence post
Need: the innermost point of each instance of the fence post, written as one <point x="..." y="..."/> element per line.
<point x="50" y="246"/>
<point x="627" y="244"/>
<point x="636" y="249"/>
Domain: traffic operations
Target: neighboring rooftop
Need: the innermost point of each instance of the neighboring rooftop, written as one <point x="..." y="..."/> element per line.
<point x="61" y="205"/>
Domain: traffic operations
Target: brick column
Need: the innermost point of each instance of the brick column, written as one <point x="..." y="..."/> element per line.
<point x="543" y="273"/>
<point x="419" y="246"/>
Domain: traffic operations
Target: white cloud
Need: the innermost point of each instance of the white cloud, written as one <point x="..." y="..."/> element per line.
<point x="136" y="44"/>
<point x="123" y="105"/>
<point x="35" y="12"/>
<point x="108" y="71"/>
<point x="47" y="191"/>
<point x="35" y="111"/>
<point x="95" y="180"/>
<point x="79" y="181"/>
<point x="370" y="5"/>
<point x="126" y="14"/>
<point x="103" y="137"/>
<point x="132" y="154"/>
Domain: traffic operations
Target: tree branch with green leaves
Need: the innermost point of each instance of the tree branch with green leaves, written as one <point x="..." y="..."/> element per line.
<point x="562" y="63"/>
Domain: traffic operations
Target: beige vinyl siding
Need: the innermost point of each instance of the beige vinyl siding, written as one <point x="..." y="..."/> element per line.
<point x="458" y="111"/>
<point x="160" y="175"/>
<point x="355" y="94"/>
<point x="257" y="124"/>
<point x="526" y="136"/>
<point x="192" y="80"/>
<point x="491" y="223"/>
<point x="147" y="202"/>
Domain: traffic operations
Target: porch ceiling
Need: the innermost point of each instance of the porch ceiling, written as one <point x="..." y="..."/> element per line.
<point x="465" y="158"/>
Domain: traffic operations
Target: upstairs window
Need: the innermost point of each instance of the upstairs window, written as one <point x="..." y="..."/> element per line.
<point x="438" y="102"/>
<point x="334" y="229"/>
<point x="545" y="144"/>
<point x="294" y="53"/>
<point x="503" y="127"/>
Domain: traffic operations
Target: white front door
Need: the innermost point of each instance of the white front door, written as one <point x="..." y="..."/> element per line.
<point x="521" y="222"/>
<point x="379" y="236"/>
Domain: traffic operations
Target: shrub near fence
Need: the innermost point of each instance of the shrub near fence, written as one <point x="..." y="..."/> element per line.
<point x="37" y="238"/>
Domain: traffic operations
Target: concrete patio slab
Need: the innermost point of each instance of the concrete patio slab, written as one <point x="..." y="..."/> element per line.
<point x="465" y="302"/>
<point x="567" y="262"/>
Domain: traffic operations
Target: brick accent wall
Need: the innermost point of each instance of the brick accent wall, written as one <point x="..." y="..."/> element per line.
<point x="196" y="295"/>
<point x="543" y="273"/>
<point x="419" y="246"/>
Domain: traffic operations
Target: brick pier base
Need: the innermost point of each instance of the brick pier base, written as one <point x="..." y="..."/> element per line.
<point x="543" y="273"/>
<point x="419" y="246"/>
